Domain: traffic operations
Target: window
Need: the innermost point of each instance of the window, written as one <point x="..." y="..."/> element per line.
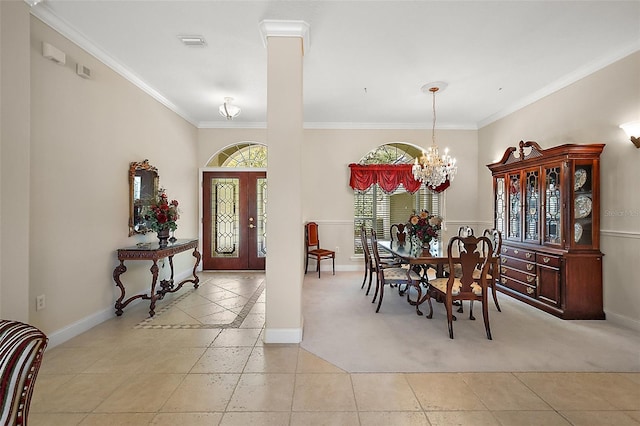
<point x="242" y="155"/>
<point x="378" y="210"/>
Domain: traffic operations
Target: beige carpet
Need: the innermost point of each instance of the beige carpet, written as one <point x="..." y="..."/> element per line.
<point x="341" y="326"/>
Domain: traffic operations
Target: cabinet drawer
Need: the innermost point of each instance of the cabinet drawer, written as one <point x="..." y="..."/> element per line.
<point x="519" y="253"/>
<point x="548" y="260"/>
<point x="529" y="279"/>
<point x="518" y="286"/>
<point x="521" y="265"/>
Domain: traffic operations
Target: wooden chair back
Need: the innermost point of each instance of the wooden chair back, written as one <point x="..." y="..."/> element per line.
<point x="469" y="255"/>
<point x="311" y="234"/>
<point x="398" y="232"/>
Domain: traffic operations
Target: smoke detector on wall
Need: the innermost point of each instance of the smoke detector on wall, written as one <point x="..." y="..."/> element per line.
<point x="193" y="40"/>
<point x="53" y="53"/>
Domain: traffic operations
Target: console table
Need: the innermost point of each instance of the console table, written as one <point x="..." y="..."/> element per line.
<point x="153" y="252"/>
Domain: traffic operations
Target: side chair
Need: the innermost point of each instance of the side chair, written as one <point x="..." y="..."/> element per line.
<point x="313" y="250"/>
<point x="465" y="287"/>
<point x="389" y="275"/>
<point x="398" y="232"/>
<point x="494" y="268"/>
<point x="370" y="265"/>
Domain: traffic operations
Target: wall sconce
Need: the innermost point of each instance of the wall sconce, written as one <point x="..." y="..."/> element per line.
<point x="632" y="130"/>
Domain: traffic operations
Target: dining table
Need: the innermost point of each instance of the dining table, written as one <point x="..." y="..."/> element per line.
<point x="420" y="260"/>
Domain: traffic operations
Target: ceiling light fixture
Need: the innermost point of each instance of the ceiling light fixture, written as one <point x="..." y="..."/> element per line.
<point x="227" y="110"/>
<point x="632" y="130"/>
<point x="431" y="168"/>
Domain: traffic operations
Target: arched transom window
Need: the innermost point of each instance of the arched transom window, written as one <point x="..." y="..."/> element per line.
<point x="242" y="155"/>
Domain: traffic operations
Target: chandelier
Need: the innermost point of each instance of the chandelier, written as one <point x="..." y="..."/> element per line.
<point x="227" y="110"/>
<point x="432" y="168"/>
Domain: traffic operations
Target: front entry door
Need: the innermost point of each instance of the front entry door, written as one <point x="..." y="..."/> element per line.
<point x="234" y="220"/>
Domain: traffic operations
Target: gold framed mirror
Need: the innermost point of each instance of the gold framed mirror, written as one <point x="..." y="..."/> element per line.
<point x="143" y="187"/>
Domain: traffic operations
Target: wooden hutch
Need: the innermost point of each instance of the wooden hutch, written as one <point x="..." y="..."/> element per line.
<point x="547" y="206"/>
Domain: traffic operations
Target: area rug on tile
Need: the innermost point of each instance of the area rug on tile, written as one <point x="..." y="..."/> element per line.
<point x="342" y="327"/>
<point x="222" y="300"/>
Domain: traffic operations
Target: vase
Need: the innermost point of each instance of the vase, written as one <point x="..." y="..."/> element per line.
<point x="163" y="237"/>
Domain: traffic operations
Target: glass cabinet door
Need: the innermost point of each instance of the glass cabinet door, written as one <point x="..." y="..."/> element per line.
<point x="582" y="205"/>
<point x="515" y="206"/>
<point x="553" y="206"/>
<point x="532" y="206"/>
<point x="501" y="205"/>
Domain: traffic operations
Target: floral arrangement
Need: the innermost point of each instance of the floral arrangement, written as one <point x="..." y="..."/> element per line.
<point x="424" y="226"/>
<point x="161" y="214"/>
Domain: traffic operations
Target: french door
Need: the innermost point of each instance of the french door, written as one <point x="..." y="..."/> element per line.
<point x="234" y="220"/>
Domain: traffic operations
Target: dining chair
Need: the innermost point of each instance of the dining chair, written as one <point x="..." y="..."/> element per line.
<point x="398" y="232"/>
<point x="21" y="349"/>
<point x="494" y="268"/>
<point x="463" y="231"/>
<point x="465" y="287"/>
<point x="313" y="249"/>
<point x="389" y="275"/>
<point x="370" y="266"/>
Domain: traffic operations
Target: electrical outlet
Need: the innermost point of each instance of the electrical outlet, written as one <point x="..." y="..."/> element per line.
<point x="337" y="249"/>
<point x="40" y="302"/>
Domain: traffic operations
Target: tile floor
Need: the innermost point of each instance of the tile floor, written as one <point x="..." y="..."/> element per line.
<point x="201" y="361"/>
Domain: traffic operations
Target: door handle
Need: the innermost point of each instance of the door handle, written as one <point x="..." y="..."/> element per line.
<point x="251" y="225"/>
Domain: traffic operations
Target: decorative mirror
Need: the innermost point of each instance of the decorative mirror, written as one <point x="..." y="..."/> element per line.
<point x="143" y="187"/>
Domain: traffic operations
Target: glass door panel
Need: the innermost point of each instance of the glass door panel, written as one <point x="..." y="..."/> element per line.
<point x="553" y="206"/>
<point x="261" y="217"/>
<point x="582" y="205"/>
<point x="515" y="206"/>
<point x="225" y="210"/>
<point x="501" y="203"/>
<point x="532" y="206"/>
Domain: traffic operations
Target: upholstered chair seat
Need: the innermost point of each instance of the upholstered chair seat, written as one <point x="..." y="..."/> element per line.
<point x="441" y="284"/>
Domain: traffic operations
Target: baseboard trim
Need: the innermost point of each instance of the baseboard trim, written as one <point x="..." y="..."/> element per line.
<point x="87" y="323"/>
<point x="623" y="321"/>
<point x="283" y="335"/>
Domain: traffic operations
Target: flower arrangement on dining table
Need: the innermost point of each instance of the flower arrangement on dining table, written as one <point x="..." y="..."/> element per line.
<point x="424" y="227"/>
<point x="162" y="214"/>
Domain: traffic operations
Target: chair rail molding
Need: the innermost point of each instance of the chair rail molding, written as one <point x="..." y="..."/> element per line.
<point x="619" y="234"/>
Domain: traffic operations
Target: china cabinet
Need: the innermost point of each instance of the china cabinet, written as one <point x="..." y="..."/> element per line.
<point x="547" y="206"/>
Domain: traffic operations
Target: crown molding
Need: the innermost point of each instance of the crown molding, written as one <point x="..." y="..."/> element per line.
<point x="562" y="83"/>
<point x="335" y="126"/>
<point x="232" y="125"/>
<point x="385" y="126"/>
<point x="285" y="28"/>
<point x="43" y="13"/>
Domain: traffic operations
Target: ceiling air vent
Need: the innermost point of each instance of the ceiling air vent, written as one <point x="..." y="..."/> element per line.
<point x="192" y="40"/>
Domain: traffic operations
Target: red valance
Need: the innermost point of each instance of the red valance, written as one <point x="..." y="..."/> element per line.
<point x="388" y="176"/>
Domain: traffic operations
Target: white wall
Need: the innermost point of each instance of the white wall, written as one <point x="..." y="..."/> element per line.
<point x="588" y="111"/>
<point x="84" y="134"/>
<point x="14" y="155"/>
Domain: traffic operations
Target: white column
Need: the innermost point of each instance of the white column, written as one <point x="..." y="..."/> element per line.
<point x="15" y="131"/>
<point x="285" y="234"/>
